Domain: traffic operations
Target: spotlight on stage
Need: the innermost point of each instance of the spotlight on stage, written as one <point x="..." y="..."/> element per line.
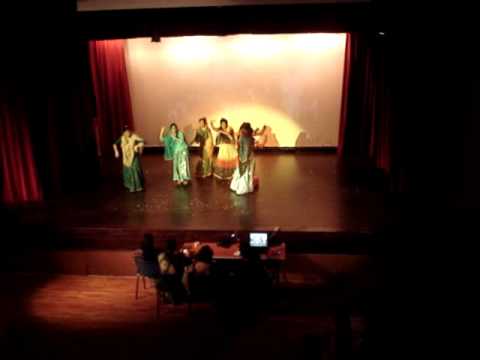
<point x="156" y="38"/>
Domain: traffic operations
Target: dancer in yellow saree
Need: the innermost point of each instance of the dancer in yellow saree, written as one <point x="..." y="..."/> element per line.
<point x="227" y="153"/>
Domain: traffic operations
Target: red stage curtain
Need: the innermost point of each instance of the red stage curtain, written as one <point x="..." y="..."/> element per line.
<point x="19" y="179"/>
<point x="365" y="124"/>
<point x="110" y="82"/>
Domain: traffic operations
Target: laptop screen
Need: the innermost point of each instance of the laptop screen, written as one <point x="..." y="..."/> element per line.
<point x="258" y="239"/>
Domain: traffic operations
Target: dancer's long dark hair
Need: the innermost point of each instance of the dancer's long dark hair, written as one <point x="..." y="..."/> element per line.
<point x="246" y="129"/>
<point x="223" y="120"/>
<point x="176" y="128"/>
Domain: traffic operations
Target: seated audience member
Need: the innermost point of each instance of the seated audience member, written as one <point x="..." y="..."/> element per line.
<point x="172" y="263"/>
<point x="243" y="294"/>
<point x="253" y="286"/>
<point x="176" y="259"/>
<point x="254" y="274"/>
<point x="197" y="276"/>
<point x="147" y="249"/>
<point x="146" y="259"/>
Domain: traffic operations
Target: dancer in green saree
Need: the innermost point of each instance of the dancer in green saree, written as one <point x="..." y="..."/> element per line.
<point x="205" y="139"/>
<point x="174" y="140"/>
<point x="131" y="145"/>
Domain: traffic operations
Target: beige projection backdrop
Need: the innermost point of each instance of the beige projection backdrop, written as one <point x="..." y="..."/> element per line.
<point x="290" y="83"/>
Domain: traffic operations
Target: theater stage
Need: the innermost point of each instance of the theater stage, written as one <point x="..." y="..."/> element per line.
<point x="301" y="192"/>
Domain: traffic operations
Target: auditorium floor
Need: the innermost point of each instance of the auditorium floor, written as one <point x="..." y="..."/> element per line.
<point x="79" y="317"/>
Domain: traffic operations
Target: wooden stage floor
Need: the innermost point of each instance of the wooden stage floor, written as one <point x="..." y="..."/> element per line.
<point x="301" y="192"/>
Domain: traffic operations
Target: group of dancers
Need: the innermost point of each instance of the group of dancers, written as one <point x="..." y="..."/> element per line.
<point x="235" y="161"/>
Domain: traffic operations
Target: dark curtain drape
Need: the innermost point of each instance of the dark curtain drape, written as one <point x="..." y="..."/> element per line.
<point x="62" y="121"/>
<point x="19" y="177"/>
<point x="50" y="104"/>
<point x="366" y="122"/>
<point x="110" y="82"/>
<point x="20" y="180"/>
<point x="228" y="20"/>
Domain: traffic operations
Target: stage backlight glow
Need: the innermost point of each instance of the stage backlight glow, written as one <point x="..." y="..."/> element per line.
<point x="191" y="49"/>
<point x="257" y="46"/>
<point x="290" y="82"/>
<point x="283" y="130"/>
<point x="198" y="49"/>
<point x="178" y="50"/>
<point x="308" y="43"/>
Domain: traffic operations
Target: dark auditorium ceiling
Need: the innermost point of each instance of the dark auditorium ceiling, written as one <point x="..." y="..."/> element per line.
<point x="99" y="5"/>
